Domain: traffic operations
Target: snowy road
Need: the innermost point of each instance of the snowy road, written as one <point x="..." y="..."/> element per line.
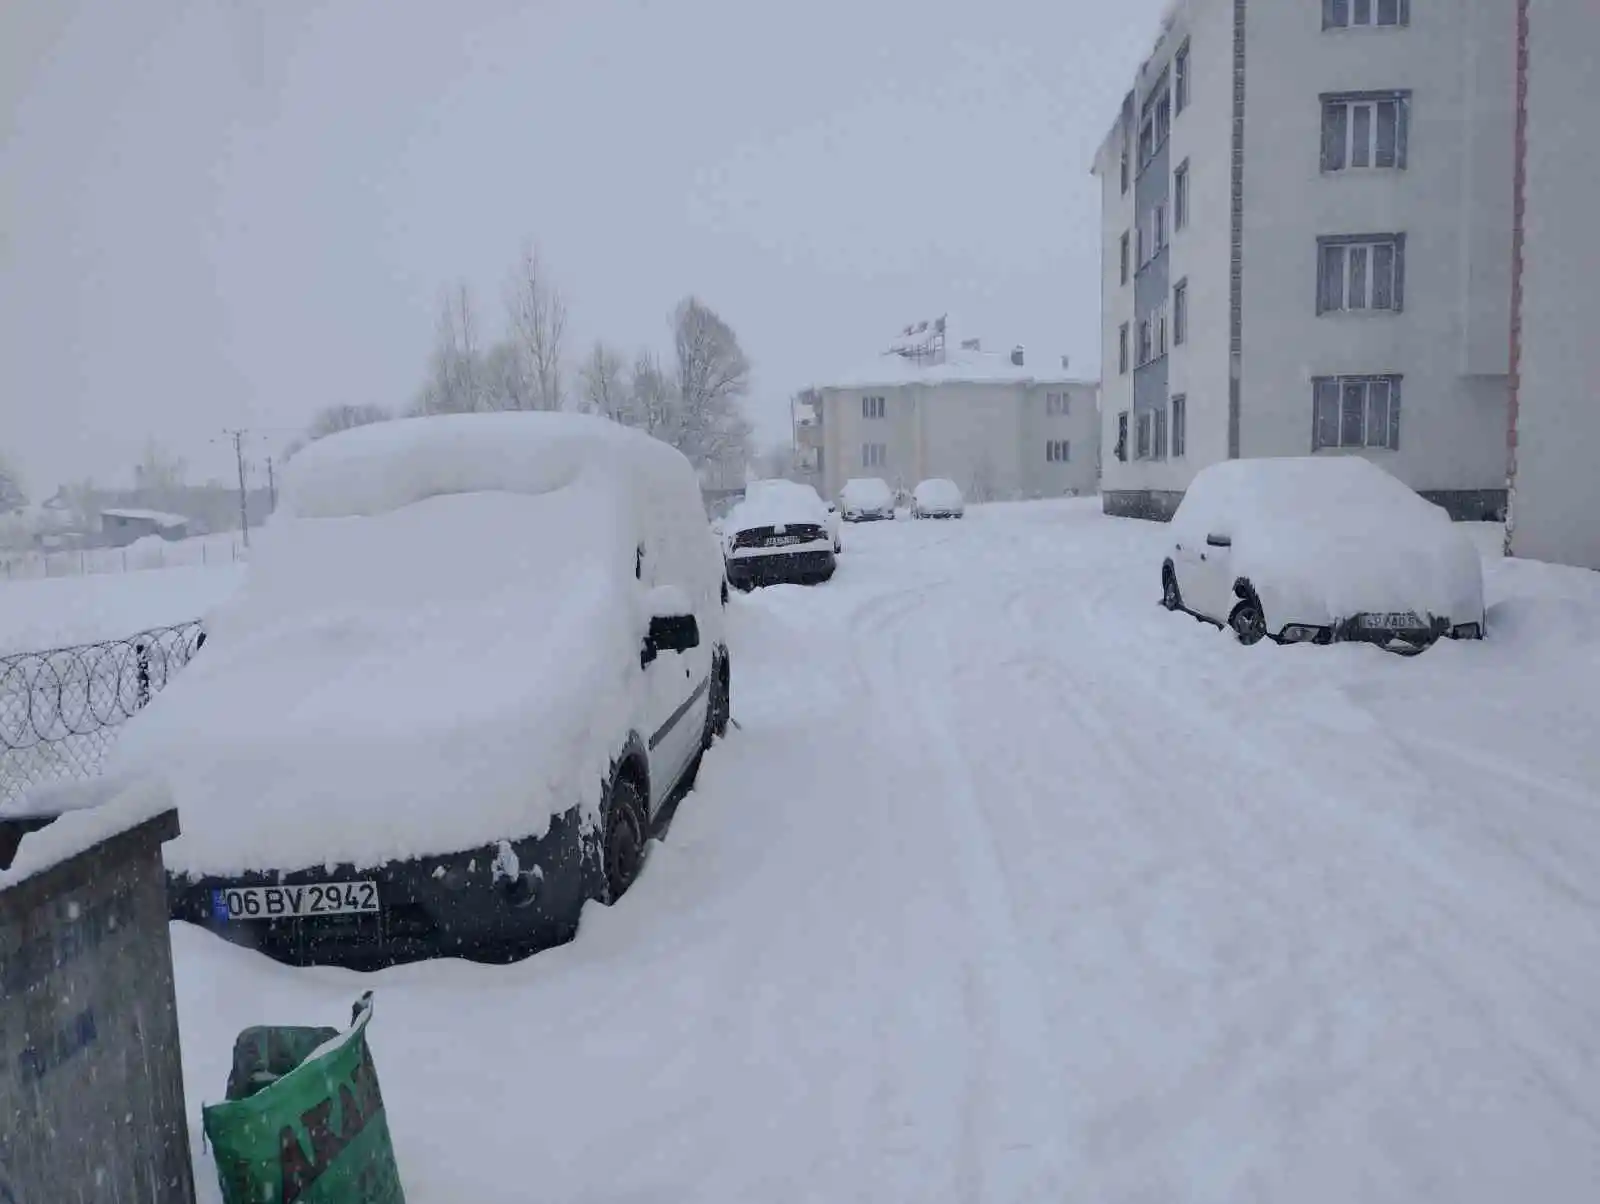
<point x="1014" y="887"/>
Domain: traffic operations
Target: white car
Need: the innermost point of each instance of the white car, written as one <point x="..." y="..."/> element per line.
<point x="1321" y="549"/>
<point x="937" y="498"/>
<point x="475" y="663"/>
<point x="780" y="533"/>
<point x="780" y="485"/>
<point x="866" y="499"/>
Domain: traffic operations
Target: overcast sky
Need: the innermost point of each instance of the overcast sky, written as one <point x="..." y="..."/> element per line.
<point x="219" y="213"/>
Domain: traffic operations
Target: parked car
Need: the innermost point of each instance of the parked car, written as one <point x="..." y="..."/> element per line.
<point x="937" y="498"/>
<point x="780" y="485"/>
<point x="866" y="499"/>
<point x="475" y="665"/>
<point x="779" y="534"/>
<point x="1318" y="550"/>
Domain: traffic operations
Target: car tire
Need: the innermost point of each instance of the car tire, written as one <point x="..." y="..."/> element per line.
<point x="622" y="838"/>
<point x="720" y="709"/>
<point x="1171" y="598"/>
<point x="1248" y="622"/>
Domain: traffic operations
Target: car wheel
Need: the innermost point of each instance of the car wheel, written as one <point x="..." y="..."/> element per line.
<point x="1170" y="597"/>
<point x="721" y="706"/>
<point x="838" y="546"/>
<point x="622" y="852"/>
<point x="1248" y="622"/>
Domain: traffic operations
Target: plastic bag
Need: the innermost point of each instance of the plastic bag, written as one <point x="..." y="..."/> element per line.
<point x="304" y="1121"/>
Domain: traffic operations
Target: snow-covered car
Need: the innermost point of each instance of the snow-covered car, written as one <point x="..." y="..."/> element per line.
<point x="937" y="498"/>
<point x="780" y="485"/>
<point x="780" y="533"/>
<point x="474" y="666"/>
<point x="866" y="499"/>
<point x="1318" y="550"/>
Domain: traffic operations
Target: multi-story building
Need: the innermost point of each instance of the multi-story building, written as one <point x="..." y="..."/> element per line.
<point x="1555" y="487"/>
<point x="990" y="422"/>
<point x="1306" y="233"/>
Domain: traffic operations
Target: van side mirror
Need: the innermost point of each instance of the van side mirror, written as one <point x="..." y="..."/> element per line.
<point x="1219" y="541"/>
<point x="672" y="623"/>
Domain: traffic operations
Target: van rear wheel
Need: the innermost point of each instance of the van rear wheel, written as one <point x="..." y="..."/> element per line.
<point x="623" y="850"/>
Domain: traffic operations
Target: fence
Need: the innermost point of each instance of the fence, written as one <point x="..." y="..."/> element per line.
<point x="60" y="709"/>
<point x="146" y="554"/>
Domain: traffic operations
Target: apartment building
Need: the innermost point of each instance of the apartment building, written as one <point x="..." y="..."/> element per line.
<point x="1306" y="245"/>
<point x="1554" y="511"/>
<point x="992" y="423"/>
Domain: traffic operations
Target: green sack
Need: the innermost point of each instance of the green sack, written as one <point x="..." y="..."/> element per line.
<point x="304" y="1119"/>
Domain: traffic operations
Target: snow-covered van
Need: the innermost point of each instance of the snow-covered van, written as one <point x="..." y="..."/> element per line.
<point x="1321" y="549"/>
<point x="476" y="660"/>
<point x="866" y="499"/>
<point x="780" y="533"/>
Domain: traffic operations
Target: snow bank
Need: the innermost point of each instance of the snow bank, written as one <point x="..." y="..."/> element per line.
<point x="436" y="647"/>
<point x="83" y="823"/>
<point x="1323" y="538"/>
<point x="56" y="611"/>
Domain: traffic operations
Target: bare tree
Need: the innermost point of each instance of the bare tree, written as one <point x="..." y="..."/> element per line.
<point x="159" y="472"/>
<point x="713" y="380"/>
<point x="12" y="494"/>
<point x="653" y="404"/>
<point x="506" y="382"/>
<point x="605" y="391"/>
<point x="538" y="315"/>
<point x="777" y="462"/>
<point x="455" y="369"/>
<point x="330" y="420"/>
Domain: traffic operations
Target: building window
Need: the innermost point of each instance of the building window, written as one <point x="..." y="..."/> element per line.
<point x="1142" y="243"/>
<point x="1057" y="405"/>
<point x="1180" y="77"/>
<point x="1058" y="451"/>
<point x="1365" y="14"/>
<point x="1180" y="426"/>
<point x="874" y="455"/>
<point x="1159" y="319"/>
<point x="872" y="407"/>
<point x="1361" y="272"/>
<point x="1145" y="355"/>
<point x="1142" y="423"/>
<point x="1122" y="350"/>
<point x="1366" y="129"/>
<point x="1121" y="450"/>
<point x="1180" y="196"/>
<point x="1125" y="156"/>
<point x="1355" y="411"/>
<point x="1180" y="313"/>
<point x="1124" y="257"/>
<point x="1158" y="434"/>
<point x="1158" y="230"/>
<point x="1156" y="123"/>
<point x="1147" y="139"/>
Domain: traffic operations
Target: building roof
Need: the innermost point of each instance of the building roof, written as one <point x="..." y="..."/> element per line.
<point x="959" y="367"/>
<point x="151" y="516"/>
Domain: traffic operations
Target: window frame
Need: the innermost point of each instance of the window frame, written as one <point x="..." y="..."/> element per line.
<point x="1330" y="412"/>
<point x="1369" y="245"/>
<point x="874" y="407"/>
<point x="1058" y="404"/>
<point x="874" y="455"/>
<point x="1180" y="197"/>
<point x="1123" y="362"/>
<point x="1178" y="428"/>
<point x="1180" y="312"/>
<point x="1332" y="21"/>
<point x="1120" y="450"/>
<point x="1180" y="80"/>
<point x="1146" y="341"/>
<point x="1339" y="159"/>
<point x="1058" y="451"/>
<point x="1125" y="264"/>
<point x="1143" y="425"/>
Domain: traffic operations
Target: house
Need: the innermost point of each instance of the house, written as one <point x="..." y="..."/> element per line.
<point x="122" y="527"/>
<point x="996" y="425"/>
<point x="1306" y="247"/>
<point x="1554" y="512"/>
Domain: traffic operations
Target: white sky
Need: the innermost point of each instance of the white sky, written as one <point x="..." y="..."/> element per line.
<point x="232" y="212"/>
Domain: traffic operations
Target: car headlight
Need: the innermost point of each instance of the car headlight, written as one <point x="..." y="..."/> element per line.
<point x="1300" y="633"/>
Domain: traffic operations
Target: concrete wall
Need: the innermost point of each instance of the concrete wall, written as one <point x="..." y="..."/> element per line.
<point x="1452" y="202"/>
<point x="1555" y="511"/>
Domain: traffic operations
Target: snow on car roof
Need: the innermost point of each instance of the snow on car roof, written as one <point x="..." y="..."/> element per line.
<point x="938" y="490"/>
<point x="1333" y="536"/>
<point x="769" y="503"/>
<point x="444" y="661"/>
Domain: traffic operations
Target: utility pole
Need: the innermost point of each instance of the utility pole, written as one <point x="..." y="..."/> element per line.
<point x="272" y="484"/>
<point x="238" y="452"/>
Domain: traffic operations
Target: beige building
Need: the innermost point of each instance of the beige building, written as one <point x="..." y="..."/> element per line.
<point x="996" y="425"/>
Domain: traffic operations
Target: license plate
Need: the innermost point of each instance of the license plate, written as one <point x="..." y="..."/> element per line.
<point x="780" y="541"/>
<point x="1393" y="621"/>
<point x="281" y="902"/>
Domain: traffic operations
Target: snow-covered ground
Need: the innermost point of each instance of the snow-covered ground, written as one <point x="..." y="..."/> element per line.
<point x="57" y="611"/>
<point x="151" y="552"/>
<point x="1014" y="887"/>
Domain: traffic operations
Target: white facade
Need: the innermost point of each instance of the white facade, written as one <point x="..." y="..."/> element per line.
<point x="999" y="430"/>
<point x="1555" y="495"/>
<point x="1414" y="207"/>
